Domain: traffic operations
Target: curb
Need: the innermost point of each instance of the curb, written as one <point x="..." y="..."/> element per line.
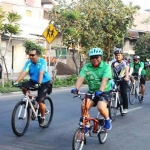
<point x="54" y="89"/>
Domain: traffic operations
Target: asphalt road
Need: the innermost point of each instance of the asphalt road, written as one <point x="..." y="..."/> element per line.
<point x="129" y="132"/>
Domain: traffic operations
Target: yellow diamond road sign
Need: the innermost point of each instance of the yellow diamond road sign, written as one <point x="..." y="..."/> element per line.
<point x="50" y="33"/>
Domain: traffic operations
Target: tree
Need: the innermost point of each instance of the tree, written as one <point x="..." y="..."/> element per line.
<point x="8" y="26"/>
<point x="142" y="47"/>
<point x="94" y="23"/>
<point x="30" y="45"/>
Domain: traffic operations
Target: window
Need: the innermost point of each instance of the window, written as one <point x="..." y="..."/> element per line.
<point x="46" y="15"/>
<point x="63" y="53"/>
<point x="132" y="43"/>
<point x="28" y="13"/>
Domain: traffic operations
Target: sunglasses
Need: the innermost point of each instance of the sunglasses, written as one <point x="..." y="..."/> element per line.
<point x="32" y="55"/>
<point x="135" y="60"/>
<point x="94" y="57"/>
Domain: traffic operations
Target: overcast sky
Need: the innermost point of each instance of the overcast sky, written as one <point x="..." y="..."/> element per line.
<point x="144" y="4"/>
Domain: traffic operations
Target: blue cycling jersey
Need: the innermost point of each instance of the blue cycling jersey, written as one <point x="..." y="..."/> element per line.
<point x="34" y="70"/>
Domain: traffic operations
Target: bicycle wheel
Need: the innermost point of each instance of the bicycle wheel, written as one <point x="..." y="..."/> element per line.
<point x="120" y="105"/>
<point x="130" y="99"/>
<point x="112" y="108"/>
<point x="78" y="140"/>
<point x="48" y="112"/>
<point x="20" y="119"/>
<point x="102" y="136"/>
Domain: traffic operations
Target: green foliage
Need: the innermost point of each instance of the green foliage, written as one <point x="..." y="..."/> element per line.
<point x="30" y="45"/>
<point x="148" y="74"/>
<point x="142" y="47"/>
<point x="99" y="23"/>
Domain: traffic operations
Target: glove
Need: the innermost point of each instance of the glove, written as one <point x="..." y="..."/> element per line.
<point x="37" y="85"/>
<point x="98" y="93"/>
<point x="139" y="76"/>
<point x="15" y="83"/>
<point x="74" y="90"/>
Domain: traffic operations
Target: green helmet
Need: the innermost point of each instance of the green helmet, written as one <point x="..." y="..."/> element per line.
<point x="95" y="51"/>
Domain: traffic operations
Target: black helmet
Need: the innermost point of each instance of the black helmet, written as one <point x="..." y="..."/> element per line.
<point x="118" y="51"/>
<point x="136" y="57"/>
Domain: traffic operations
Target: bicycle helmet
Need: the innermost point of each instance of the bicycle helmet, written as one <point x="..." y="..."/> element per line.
<point x="136" y="57"/>
<point x="95" y="51"/>
<point x="118" y="51"/>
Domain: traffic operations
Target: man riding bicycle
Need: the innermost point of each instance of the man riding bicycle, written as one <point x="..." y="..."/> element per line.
<point x="39" y="78"/>
<point x="137" y="68"/>
<point x="121" y="69"/>
<point x="98" y="74"/>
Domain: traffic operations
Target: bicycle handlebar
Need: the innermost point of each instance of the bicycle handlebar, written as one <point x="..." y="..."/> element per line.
<point x="81" y="93"/>
<point x="28" y="88"/>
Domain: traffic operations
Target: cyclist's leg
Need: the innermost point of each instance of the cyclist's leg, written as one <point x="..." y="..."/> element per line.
<point x="27" y="84"/>
<point x="103" y="109"/>
<point x="40" y="99"/>
<point x="142" y="84"/>
<point x="90" y="103"/>
<point x="123" y="90"/>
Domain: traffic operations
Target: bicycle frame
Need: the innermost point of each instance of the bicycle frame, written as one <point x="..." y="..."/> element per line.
<point x="28" y="99"/>
<point x="95" y="121"/>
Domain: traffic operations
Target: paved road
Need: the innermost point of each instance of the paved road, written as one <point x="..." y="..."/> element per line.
<point x="129" y="132"/>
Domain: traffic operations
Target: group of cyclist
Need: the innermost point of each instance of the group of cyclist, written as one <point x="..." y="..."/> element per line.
<point x="99" y="74"/>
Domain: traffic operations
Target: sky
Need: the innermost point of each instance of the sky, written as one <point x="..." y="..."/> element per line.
<point x="144" y="4"/>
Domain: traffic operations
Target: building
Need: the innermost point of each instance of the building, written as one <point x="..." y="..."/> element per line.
<point x="136" y="31"/>
<point x="35" y="18"/>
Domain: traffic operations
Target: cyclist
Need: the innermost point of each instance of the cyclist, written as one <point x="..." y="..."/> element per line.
<point x="137" y="68"/>
<point x="120" y="69"/>
<point x="39" y="78"/>
<point x="97" y="73"/>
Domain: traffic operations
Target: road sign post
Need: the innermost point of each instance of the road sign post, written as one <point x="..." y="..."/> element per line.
<point x="49" y="34"/>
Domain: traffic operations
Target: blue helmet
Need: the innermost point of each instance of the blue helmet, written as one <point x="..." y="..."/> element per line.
<point x="95" y="51"/>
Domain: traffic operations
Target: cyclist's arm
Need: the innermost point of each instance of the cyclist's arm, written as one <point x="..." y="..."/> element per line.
<point x="141" y="68"/>
<point x="103" y="84"/>
<point x="24" y="72"/>
<point x="21" y="76"/>
<point x="131" y="69"/>
<point x="79" y="82"/>
<point x="43" y="69"/>
<point x="127" y="73"/>
<point x="106" y="76"/>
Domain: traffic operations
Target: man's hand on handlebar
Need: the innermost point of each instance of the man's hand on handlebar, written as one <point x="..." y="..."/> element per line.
<point x="74" y="91"/>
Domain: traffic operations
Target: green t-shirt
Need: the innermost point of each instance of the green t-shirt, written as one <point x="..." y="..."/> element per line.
<point x="94" y="75"/>
<point x="137" y="66"/>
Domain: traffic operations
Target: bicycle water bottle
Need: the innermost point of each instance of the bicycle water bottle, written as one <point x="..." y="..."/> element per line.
<point x="112" y="83"/>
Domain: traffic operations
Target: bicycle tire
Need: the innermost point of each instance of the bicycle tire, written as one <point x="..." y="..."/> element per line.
<point x="77" y="141"/>
<point x="131" y="100"/>
<point x="112" y="108"/>
<point x="49" y="112"/>
<point x="102" y="136"/>
<point x="15" y="127"/>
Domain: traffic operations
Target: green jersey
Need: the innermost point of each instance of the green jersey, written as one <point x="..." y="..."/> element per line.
<point x="94" y="75"/>
<point x="137" y="66"/>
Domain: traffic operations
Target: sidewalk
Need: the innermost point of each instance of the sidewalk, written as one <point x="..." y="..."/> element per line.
<point x="15" y="75"/>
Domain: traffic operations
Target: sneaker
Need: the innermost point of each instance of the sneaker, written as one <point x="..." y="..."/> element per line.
<point x="108" y="124"/>
<point x="87" y="130"/>
<point x="43" y="122"/>
<point x="142" y="99"/>
<point x="125" y="111"/>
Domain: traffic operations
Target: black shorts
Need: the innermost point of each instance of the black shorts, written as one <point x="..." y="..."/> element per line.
<point x="105" y="96"/>
<point x="142" y="79"/>
<point x="42" y="90"/>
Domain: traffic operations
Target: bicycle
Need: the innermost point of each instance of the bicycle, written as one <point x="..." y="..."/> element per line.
<point x="27" y="109"/>
<point x="116" y="101"/>
<point x="134" y="89"/>
<point x="96" y="127"/>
